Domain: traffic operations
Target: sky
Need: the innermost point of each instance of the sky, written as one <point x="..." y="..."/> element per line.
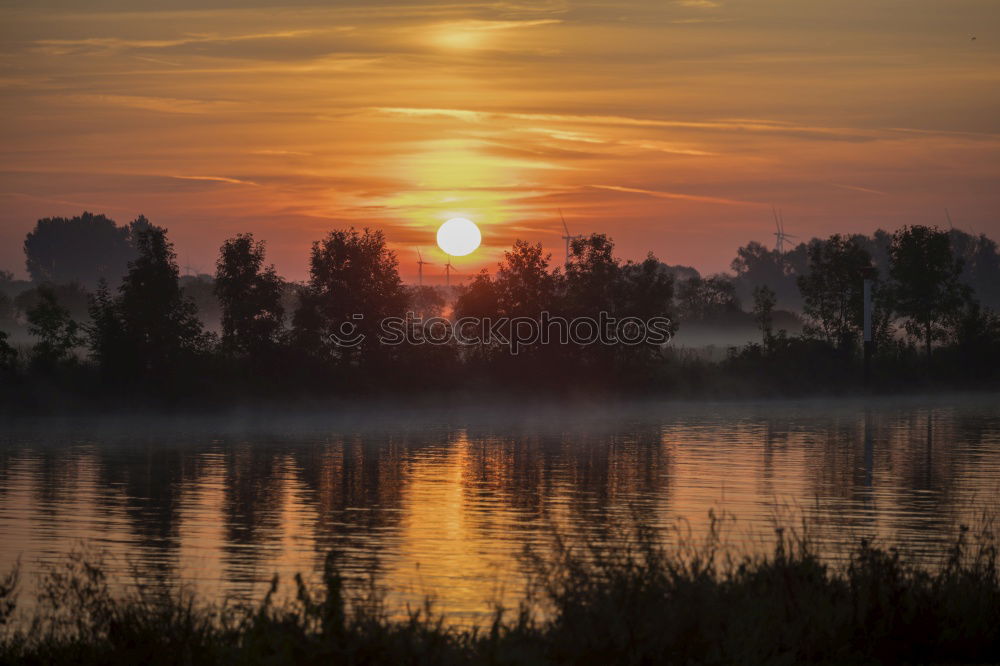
<point x="672" y="126"/>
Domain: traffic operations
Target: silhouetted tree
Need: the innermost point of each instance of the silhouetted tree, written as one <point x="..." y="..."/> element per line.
<point x="478" y="298"/>
<point x="524" y="286"/>
<point x="763" y="309"/>
<point x="980" y="265"/>
<point x="8" y="355"/>
<point x="353" y="284"/>
<point x="71" y="296"/>
<point x="250" y="295"/>
<point x="6" y="310"/>
<point x="877" y="247"/>
<point x="711" y="299"/>
<point x="425" y="301"/>
<point x="977" y="341"/>
<point x="58" y="335"/>
<point x="83" y="249"/>
<point x="756" y="266"/>
<point x="645" y="290"/>
<point x="150" y="328"/>
<point x="832" y="290"/>
<point x="926" y="288"/>
<point x="592" y="276"/>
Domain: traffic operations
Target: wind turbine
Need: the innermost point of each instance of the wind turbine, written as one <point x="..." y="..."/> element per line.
<point x="447" y="273"/>
<point x="569" y="238"/>
<point x="420" y="267"/>
<point x="188" y="267"/>
<point x="779" y="223"/>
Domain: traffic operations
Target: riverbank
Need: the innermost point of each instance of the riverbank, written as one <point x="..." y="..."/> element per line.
<point x="635" y="604"/>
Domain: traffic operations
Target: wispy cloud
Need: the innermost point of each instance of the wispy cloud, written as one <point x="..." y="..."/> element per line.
<point x="660" y="194"/>
<point x="161" y="104"/>
<point x="858" y="188"/>
<point x="218" y="179"/>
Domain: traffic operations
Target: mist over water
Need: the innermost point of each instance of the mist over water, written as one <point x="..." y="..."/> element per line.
<point x="442" y="501"/>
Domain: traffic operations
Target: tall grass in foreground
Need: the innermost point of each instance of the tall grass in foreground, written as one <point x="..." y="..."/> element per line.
<point x="639" y="603"/>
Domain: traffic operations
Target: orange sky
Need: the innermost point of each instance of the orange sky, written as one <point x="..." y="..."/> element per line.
<point x="672" y="126"/>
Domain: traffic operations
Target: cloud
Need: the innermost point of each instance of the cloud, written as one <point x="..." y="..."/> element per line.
<point x="161" y="104"/>
<point x="858" y="188"/>
<point x="218" y="179"/>
<point x="729" y="125"/>
<point x="677" y="195"/>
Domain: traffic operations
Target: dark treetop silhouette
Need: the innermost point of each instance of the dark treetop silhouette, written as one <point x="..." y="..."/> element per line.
<point x="934" y="296"/>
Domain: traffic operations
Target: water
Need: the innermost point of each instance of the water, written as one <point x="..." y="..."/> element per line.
<point x="443" y="501"/>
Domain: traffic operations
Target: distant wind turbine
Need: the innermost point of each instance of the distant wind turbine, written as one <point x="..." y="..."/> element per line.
<point x="779" y="223"/>
<point x="420" y="267"/>
<point x="447" y="273"/>
<point x="569" y="238"/>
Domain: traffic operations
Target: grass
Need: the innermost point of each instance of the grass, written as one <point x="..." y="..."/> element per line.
<point x="638" y="603"/>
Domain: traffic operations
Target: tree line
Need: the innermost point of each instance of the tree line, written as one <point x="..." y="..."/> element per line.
<point x="142" y="334"/>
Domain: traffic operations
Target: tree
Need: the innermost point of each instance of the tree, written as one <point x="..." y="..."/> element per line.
<point x="980" y="265"/>
<point x="478" y="298"/>
<point x="592" y="276"/>
<point x="58" y="334"/>
<point x="84" y="249"/>
<point x="755" y="266"/>
<point x="707" y="299"/>
<point x="927" y="290"/>
<point x="763" y="309"/>
<point x="71" y="296"/>
<point x="150" y="328"/>
<point x="6" y="310"/>
<point x="250" y="296"/>
<point x="524" y="286"/>
<point x="353" y="284"/>
<point x="645" y="289"/>
<point x="425" y="301"/>
<point x="833" y="291"/>
<point x="8" y="355"/>
<point x="977" y="342"/>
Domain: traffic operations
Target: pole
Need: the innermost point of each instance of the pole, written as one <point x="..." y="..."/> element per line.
<point x="869" y="341"/>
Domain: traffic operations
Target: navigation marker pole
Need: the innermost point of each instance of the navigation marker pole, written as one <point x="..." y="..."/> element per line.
<point x="869" y="277"/>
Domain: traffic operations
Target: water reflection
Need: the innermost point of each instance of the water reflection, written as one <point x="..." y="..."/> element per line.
<point x="444" y="503"/>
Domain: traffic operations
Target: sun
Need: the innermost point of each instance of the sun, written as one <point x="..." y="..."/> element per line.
<point x="459" y="236"/>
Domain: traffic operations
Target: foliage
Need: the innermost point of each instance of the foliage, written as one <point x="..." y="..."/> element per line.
<point x="980" y="265"/>
<point x="711" y="299"/>
<point x="763" y="313"/>
<point x="524" y="286"/>
<point x="353" y="284"/>
<point x="637" y="602"/>
<point x="426" y="301"/>
<point x="832" y="290"/>
<point x="71" y="296"/>
<point x="85" y="249"/>
<point x="8" y="355"/>
<point x="6" y="310"/>
<point x="150" y="331"/>
<point x="926" y="288"/>
<point x="250" y="296"/>
<point x="756" y="266"/>
<point x="58" y="334"/>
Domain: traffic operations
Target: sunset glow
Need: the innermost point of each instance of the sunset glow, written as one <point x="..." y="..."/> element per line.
<point x="671" y="126"/>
